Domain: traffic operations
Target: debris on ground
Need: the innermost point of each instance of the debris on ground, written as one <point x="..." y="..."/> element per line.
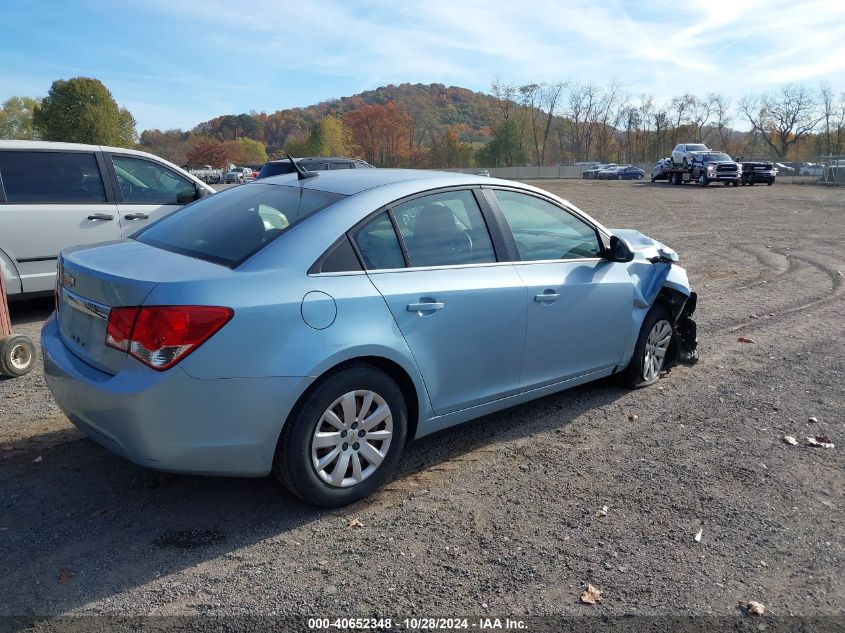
<point x="37" y="460"/>
<point x="633" y="416"/>
<point x="698" y="535"/>
<point x="744" y="339"/>
<point x="788" y="439"/>
<point x="65" y="574"/>
<point x="591" y="595"/>
<point x="752" y="607"/>
<point x="602" y="512"/>
<point x="820" y="441"/>
<point x="354" y="523"/>
<point x="812" y="419"/>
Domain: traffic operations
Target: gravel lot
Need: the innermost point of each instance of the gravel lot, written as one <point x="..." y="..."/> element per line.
<point x="499" y="516"/>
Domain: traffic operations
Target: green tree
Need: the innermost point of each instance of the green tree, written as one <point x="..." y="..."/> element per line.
<point x="335" y="139"/>
<point x="16" y="118"/>
<point x="245" y="151"/>
<point x="504" y="150"/>
<point x="82" y="110"/>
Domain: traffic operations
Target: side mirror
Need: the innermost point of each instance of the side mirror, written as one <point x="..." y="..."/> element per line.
<point x="619" y="251"/>
<point x="202" y="192"/>
<point x="187" y="195"/>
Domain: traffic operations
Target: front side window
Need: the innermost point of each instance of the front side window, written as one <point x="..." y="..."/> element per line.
<point x="444" y="229"/>
<point x="145" y="182"/>
<point x="51" y="178"/>
<point x="378" y="244"/>
<point x="544" y="231"/>
<point x="230" y="226"/>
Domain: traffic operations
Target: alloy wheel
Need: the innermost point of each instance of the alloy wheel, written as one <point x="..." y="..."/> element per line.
<point x="656" y="346"/>
<point x="352" y="438"/>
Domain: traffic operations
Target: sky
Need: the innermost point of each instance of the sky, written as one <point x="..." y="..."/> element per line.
<point x="175" y="63"/>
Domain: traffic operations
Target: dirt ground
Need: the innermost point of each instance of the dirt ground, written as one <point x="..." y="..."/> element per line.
<point x="499" y="516"/>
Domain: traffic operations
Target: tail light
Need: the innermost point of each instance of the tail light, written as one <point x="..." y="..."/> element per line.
<point x="161" y="336"/>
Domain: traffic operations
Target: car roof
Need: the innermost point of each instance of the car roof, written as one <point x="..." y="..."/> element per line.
<point x="348" y="182"/>
<point x="319" y="159"/>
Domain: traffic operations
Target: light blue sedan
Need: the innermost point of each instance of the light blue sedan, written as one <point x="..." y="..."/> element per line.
<point x="310" y="325"/>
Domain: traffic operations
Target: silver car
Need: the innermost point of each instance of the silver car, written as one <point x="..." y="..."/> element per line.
<point x="684" y="153"/>
<point x="54" y="195"/>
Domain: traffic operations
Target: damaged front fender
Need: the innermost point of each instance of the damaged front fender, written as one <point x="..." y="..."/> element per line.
<point x="655" y="274"/>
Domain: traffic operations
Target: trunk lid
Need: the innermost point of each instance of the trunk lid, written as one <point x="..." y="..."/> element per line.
<point x="94" y="279"/>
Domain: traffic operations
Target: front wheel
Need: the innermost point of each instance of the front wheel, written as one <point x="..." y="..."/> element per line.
<point x="344" y="439"/>
<point x="702" y="180"/>
<point x="619" y="177"/>
<point x="650" y="351"/>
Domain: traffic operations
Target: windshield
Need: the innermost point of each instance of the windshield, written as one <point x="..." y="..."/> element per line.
<point x="715" y="157"/>
<point x="697" y="148"/>
<point x="233" y="225"/>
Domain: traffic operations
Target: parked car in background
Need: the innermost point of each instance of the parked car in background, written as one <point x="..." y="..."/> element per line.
<point x="660" y="171"/>
<point x="54" y="195"/>
<point x="593" y="171"/>
<point x="238" y="175"/>
<point x="624" y="172"/>
<point x="180" y="349"/>
<point x="710" y="167"/>
<point x="684" y="152"/>
<point x="784" y="169"/>
<point x="313" y="163"/>
<point x="811" y="169"/>
<point x="483" y="172"/>
<point x="754" y="172"/>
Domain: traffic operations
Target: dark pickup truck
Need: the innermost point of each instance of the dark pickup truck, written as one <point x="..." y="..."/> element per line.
<point x="754" y="172"/>
<point x="715" y="166"/>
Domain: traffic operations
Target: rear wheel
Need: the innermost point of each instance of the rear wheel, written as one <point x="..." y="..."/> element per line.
<point x="619" y="177"/>
<point x="650" y="351"/>
<point x="17" y="355"/>
<point x="344" y="439"/>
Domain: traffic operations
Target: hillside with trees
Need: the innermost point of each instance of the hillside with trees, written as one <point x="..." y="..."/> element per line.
<point x="435" y="126"/>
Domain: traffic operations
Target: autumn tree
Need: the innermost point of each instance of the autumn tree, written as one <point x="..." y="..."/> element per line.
<point x="208" y="152"/>
<point x="448" y="151"/>
<point x="783" y="118"/>
<point x="16" y="118"/>
<point x="82" y="110"/>
<point x="382" y="132"/>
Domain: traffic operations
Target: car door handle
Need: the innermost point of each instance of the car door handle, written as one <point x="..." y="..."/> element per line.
<point x="426" y="307"/>
<point x="136" y="216"/>
<point x="100" y="216"/>
<point x="551" y="296"/>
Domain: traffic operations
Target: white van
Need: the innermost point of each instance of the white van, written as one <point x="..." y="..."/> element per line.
<point x="54" y="195"/>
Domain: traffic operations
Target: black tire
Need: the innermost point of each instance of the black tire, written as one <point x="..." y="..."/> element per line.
<point x="685" y="163"/>
<point x="703" y="181"/>
<point x="292" y="464"/>
<point x="17" y="355"/>
<point x="750" y="183"/>
<point x="653" y="179"/>
<point x="632" y="376"/>
<point x="735" y="183"/>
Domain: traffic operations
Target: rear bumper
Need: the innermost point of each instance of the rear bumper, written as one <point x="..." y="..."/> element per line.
<point x="169" y="420"/>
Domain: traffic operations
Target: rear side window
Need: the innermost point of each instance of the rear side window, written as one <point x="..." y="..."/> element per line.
<point x="229" y="227"/>
<point x="51" y="178"/>
<point x="378" y="244"/>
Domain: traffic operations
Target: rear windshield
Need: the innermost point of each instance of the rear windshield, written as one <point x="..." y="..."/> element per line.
<point x="229" y="227"/>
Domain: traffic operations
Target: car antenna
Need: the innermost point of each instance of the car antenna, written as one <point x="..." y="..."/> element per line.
<point x="301" y="174"/>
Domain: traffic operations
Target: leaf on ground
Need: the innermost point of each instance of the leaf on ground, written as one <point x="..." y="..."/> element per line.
<point x="698" y="535"/>
<point x="37" y="460"/>
<point x="788" y="439"/>
<point x="755" y="608"/>
<point x="591" y="595"/>
<point x="99" y="513"/>
<point x="65" y="574"/>
<point x="821" y="441"/>
<point x="743" y="339"/>
<point x="354" y="523"/>
<point x="602" y="512"/>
